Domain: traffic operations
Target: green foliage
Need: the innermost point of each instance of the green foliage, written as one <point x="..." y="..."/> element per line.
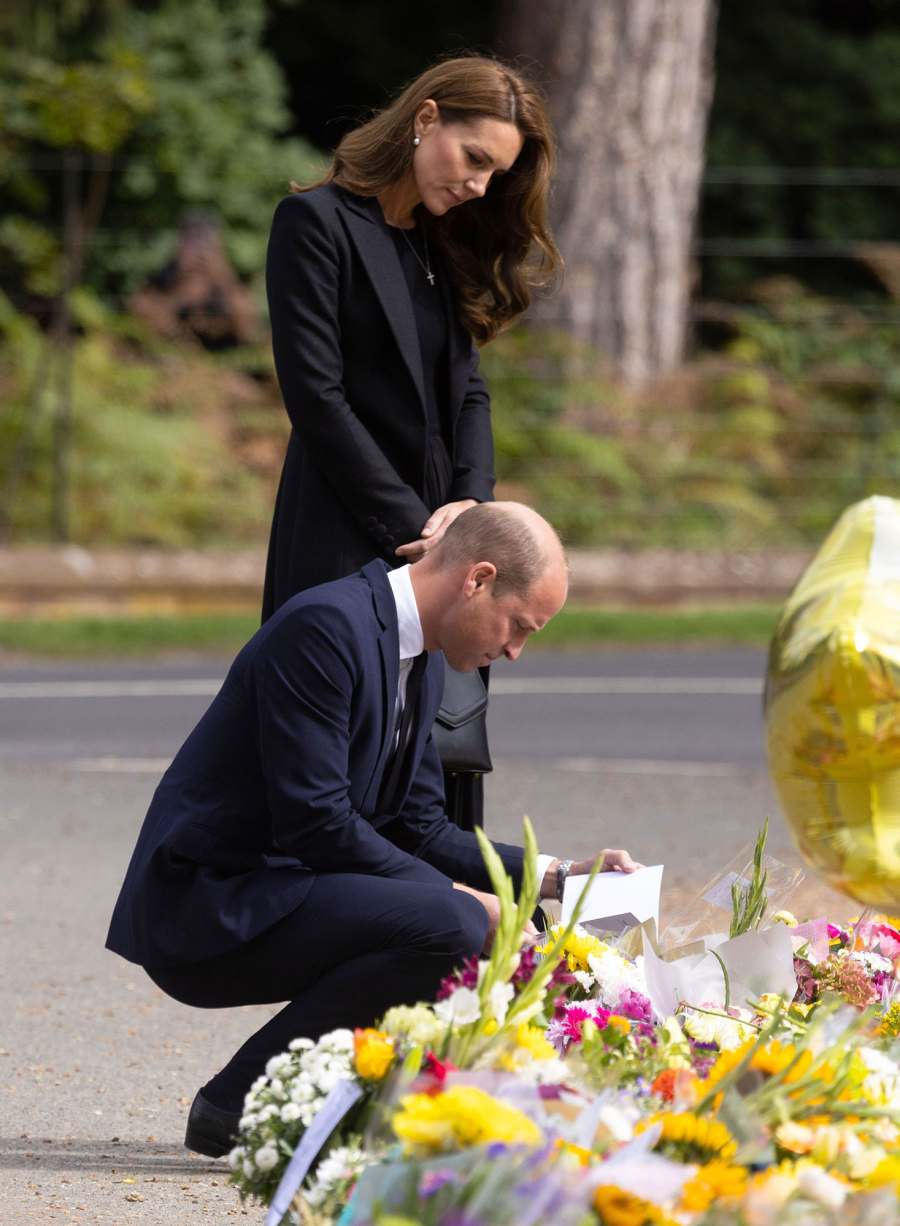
<point x="748" y="903"/>
<point x="188" y="100"/>
<point x="804" y="87"/>
<point x="764" y="443"/>
<point x="153" y="461"/>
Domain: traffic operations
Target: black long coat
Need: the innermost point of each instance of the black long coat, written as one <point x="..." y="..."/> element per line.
<point x="349" y="365"/>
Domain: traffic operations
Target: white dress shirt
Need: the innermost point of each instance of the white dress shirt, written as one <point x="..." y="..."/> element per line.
<point x="412" y="644"/>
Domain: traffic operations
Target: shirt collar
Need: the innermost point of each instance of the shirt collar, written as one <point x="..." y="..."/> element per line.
<point x="409" y="626"/>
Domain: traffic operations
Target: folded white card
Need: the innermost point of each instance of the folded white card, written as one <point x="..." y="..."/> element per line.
<point x="634" y="896"/>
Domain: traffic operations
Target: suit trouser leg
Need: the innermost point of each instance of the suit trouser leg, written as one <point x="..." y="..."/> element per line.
<point x="357" y="946"/>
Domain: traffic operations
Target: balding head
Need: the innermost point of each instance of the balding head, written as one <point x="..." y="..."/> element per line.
<point x="522" y="546"/>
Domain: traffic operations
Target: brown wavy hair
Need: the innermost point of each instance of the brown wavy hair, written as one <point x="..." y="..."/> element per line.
<point x="499" y="247"/>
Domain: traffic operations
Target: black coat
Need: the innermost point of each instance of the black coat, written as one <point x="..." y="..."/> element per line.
<point x="349" y="365"/>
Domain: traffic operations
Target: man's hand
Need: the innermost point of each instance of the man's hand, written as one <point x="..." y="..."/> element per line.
<point x="613" y="861"/>
<point x="491" y="904"/>
<point x="435" y="527"/>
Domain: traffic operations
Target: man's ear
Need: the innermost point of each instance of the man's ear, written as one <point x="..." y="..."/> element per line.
<point x="481" y="577"/>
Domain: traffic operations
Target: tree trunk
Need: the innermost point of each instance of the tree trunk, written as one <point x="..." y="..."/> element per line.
<point x="629" y="84"/>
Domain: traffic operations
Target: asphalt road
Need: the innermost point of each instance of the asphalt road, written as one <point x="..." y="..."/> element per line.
<point x="661" y="752"/>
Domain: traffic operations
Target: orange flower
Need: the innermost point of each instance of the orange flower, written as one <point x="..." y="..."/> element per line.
<point x="676" y="1084"/>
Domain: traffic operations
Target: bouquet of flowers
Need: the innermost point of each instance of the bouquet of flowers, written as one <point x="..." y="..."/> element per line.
<point x="545" y="1085"/>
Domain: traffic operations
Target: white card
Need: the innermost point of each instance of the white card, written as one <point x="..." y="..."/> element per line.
<point x="615" y="895"/>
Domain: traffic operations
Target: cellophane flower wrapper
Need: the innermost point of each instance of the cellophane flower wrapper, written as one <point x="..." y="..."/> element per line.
<point x="707" y="913"/>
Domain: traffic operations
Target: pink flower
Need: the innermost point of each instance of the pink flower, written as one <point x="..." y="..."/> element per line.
<point x="635" y="1005"/>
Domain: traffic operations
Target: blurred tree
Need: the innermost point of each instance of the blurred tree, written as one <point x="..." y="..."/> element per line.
<point x="629" y="83"/>
<point x="802" y="145"/>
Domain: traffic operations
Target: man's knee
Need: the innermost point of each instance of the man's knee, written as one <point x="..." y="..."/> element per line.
<point x="470" y="924"/>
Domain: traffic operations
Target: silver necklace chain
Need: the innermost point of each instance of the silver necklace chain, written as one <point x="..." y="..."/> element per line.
<point x="426" y="264"/>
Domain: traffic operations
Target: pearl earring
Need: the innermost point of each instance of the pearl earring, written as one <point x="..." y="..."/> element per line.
<point x="417" y="140"/>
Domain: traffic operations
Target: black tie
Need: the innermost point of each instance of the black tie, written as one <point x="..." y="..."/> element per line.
<point x="407" y="720"/>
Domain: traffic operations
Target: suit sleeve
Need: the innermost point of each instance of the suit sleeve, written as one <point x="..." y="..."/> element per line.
<point x="473" y="444"/>
<point x="423" y="829"/>
<point x="302" y="282"/>
<point x="304" y="693"/>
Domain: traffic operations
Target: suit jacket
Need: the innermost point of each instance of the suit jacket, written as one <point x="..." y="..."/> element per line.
<point x="280" y="780"/>
<point x="349" y="365"/>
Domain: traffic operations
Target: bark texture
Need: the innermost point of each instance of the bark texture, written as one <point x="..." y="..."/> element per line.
<point x="629" y="84"/>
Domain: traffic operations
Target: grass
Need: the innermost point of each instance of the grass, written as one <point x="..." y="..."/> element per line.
<point x="225" y="632"/>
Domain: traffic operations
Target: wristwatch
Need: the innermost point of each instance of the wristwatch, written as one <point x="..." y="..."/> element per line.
<point x="562" y="871"/>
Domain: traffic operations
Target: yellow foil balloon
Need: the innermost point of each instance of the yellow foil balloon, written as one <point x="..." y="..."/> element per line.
<point x="832" y="706"/>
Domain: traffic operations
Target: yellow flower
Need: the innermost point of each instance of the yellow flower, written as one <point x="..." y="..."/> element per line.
<point x="890" y="1023"/>
<point x="616" y="1207"/>
<point x="533" y="1040"/>
<point x="621" y="1024"/>
<point x="713" y="1182"/>
<point x="578" y="947"/>
<point x="584" y="1156"/>
<point x="886" y="1174"/>
<point x="373" y="1052"/>
<point x="694" y="1137"/>
<point x="771" y="1058"/>
<point x="461" y="1117"/>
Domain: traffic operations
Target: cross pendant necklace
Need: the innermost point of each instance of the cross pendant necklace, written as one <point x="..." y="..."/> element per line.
<point x="425" y="264"/>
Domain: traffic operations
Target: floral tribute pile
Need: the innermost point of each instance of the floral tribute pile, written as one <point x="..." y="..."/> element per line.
<point x="542" y="1087"/>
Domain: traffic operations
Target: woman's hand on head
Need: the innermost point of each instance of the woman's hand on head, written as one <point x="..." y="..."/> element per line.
<point x="435" y="527"/>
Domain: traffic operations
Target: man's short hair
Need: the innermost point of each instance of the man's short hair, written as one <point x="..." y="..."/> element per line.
<point x="488" y="533"/>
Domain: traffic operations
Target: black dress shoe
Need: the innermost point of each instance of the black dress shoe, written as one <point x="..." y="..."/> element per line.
<point x="210" y="1129"/>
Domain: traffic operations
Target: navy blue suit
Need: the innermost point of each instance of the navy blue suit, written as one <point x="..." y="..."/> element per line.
<point x="267" y="824"/>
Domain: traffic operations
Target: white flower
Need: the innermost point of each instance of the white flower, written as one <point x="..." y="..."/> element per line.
<point x="499" y="997"/>
<point x="339" y="1040"/>
<point x="872" y="962"/>
<point x="821" y="1187"/>
<point x="882" y="1084"/>
<point x="236" y="1157"/>
<point x="276" y="1065"/>
<point x="417" y="1022"/>
<point x="267" y="1156"/>
<point x="289" y="1113"/>
<point x="585" y="978"/>
<point x="714" y="1026"/>
<point x="459" y="1008"/>
<point x="613" y="973"/>
<point x="302" y="1089"/>
<point x="301" y="1045"/>
<point x="342" y="1163"/>
<point x="248" y="1168"/>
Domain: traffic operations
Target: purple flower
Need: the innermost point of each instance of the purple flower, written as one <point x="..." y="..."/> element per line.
<point x="465" y="976"/>
<point x="433" y="1181"/>
<point x="528" y="963"/>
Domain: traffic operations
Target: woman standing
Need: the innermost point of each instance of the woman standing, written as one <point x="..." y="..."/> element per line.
<point x="422" y="242"/>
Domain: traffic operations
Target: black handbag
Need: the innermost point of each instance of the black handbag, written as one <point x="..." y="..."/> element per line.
<point x="460" y="728"/>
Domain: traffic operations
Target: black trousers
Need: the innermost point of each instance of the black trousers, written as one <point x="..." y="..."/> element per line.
<point x="356" y="946"/>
